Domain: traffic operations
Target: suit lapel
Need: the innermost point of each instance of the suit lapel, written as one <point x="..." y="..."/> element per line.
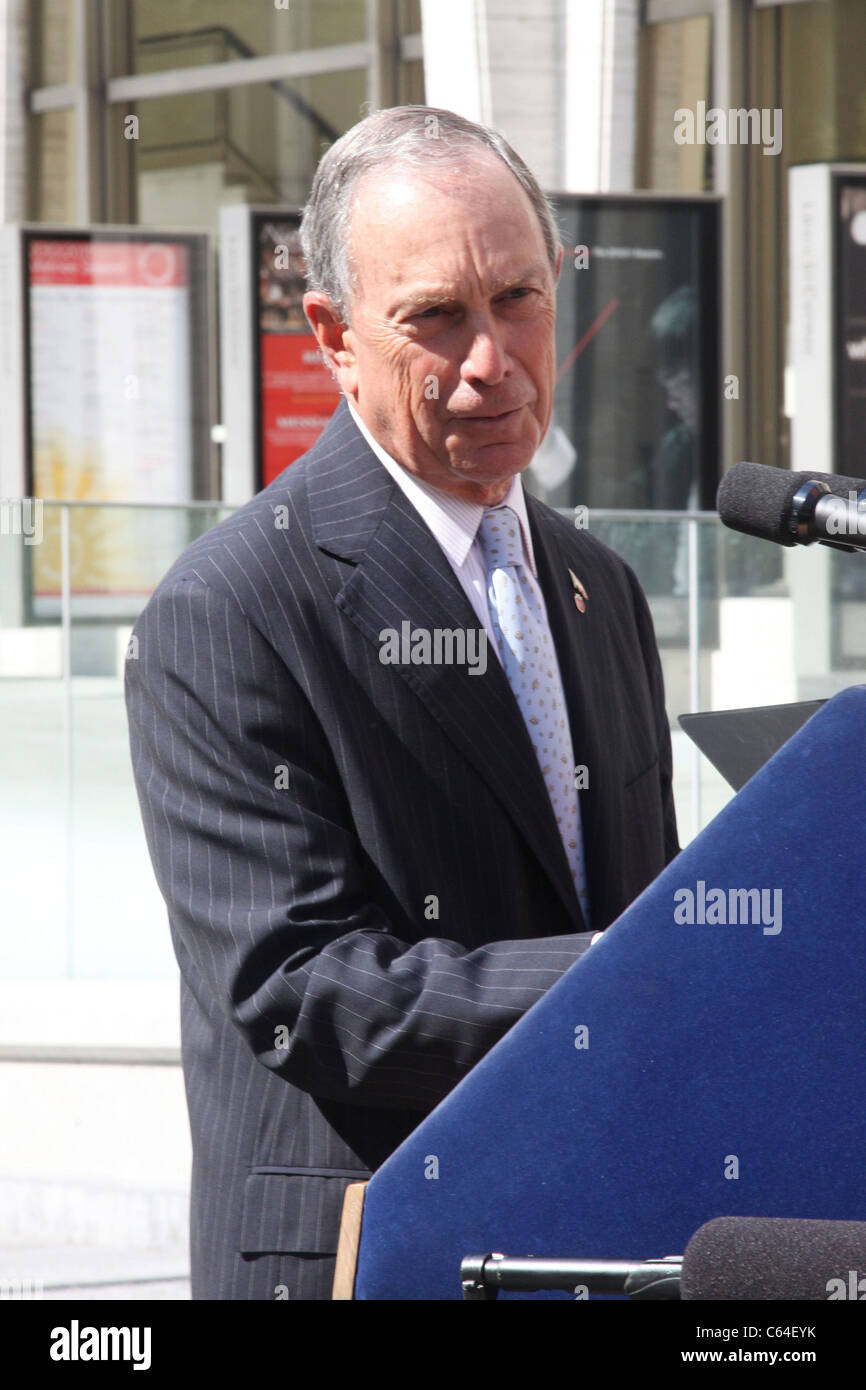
<point x="400" y="575"/>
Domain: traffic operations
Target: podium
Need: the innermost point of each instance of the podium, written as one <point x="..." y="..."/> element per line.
<point x="704" y="1058"/>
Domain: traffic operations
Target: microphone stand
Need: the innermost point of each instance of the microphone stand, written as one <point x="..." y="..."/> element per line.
<point x="482" y="1276"/>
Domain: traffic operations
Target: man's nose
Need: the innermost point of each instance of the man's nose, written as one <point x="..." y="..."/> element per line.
<point x="485" y="358"/>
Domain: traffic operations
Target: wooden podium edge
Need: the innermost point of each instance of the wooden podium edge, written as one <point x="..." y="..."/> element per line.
<point x="349" y="1242"/>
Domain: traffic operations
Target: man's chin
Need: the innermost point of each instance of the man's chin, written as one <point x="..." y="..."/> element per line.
<point x="491" y="463"/>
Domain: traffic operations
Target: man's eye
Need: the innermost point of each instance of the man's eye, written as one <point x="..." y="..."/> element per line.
<point x="429" y="313"/>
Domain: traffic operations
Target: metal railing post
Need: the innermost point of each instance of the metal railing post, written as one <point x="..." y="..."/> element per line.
<point x="66" y="677"/>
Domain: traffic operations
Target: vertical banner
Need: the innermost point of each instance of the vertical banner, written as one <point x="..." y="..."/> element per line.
<point x="849" y="577"/>
<point x="827" y="298"/>
<point x="851" y="326"/>
<point x="110" y="379"/>
<point x="117" y="404"/>
<point x="636" y="414"/>
<point x="635" y="421"/>
<point x="297" y="394"/>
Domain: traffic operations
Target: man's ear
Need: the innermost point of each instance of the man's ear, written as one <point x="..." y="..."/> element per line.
<point x="558" y="265"/>
<point x="333" y="337"/>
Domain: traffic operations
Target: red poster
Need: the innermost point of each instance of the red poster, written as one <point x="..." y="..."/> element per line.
<point x="299" y="396"/>
<point x="126" y="264"/>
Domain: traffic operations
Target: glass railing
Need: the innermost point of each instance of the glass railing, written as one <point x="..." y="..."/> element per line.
<point x="79" y="896"/>
<point x="739" y="622"/>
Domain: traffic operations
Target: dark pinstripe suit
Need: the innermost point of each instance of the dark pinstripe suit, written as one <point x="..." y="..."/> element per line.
<point x="306" y="907"/>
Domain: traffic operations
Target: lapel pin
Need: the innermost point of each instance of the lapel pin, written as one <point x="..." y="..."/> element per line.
<point x="580" y="594"/>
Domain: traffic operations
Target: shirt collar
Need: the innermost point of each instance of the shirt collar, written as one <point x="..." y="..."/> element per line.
<point x="453" y="521"/>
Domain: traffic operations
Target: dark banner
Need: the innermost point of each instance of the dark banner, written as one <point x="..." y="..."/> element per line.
<point x="636" y="412"/>
<point x="851" y="326"/>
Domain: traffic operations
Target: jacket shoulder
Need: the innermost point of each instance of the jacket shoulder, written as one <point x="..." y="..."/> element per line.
<point x="581" y="544"/>
<point x="255" y="538"/>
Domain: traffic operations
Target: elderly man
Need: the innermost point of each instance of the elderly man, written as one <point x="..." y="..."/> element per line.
<point x="398" y="729"/>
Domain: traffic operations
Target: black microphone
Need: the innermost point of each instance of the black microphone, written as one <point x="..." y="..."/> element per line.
<point x="482" y="1276"/>
<point x="740" y="1258"/>
<point x="771" y="1258"/>
<point x="774" y="504"/>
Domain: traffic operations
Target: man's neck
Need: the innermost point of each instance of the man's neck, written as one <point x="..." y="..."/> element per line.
<point x="475" y="493"/>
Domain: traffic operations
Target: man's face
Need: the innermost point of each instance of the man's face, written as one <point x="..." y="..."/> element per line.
<point x="449" y="355"/>
<point x="681" y="390"/>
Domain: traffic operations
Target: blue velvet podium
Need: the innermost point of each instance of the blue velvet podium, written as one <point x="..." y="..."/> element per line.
<point x="705" y="1058"/>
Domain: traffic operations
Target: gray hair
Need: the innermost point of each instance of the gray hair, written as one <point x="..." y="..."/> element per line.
<point x="399" y="135"/>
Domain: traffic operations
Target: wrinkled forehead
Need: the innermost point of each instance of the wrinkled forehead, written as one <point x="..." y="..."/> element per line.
<point x="415" y="227"/>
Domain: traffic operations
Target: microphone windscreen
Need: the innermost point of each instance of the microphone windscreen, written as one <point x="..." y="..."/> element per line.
<point x="770" y="1258"/>
<point x="756" y="499"/>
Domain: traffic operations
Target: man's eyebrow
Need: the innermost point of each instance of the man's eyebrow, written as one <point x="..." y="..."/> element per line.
<point x="428" y="295"/>
<point x="445" y="292"/>
<point x="533" y="272"/>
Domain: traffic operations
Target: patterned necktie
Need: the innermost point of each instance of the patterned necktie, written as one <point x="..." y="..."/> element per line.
<point x="529" y="661"/>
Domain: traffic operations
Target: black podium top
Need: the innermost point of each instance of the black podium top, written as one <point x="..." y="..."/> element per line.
<point x="739" y="741"/>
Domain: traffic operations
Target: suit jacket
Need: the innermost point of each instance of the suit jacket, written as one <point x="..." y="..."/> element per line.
<point x="365" y="881"/>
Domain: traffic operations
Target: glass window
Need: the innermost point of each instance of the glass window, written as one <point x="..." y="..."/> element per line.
<point x="410" y="84"/>
<point x="409" y="16"/>
<point x="674" y="73"/>
<point x="54" y="47"/>
<point x="257" y="143"/>
<point x="187" y="33"/>
<point x="804" y="61"/>
<point x="52" y="189"/>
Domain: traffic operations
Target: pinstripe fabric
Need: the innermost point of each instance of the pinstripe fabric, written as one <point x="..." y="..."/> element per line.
<point x="362" y="868"/>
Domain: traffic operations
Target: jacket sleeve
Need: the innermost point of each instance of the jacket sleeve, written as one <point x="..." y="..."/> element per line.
<point x="269" y="897"/>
